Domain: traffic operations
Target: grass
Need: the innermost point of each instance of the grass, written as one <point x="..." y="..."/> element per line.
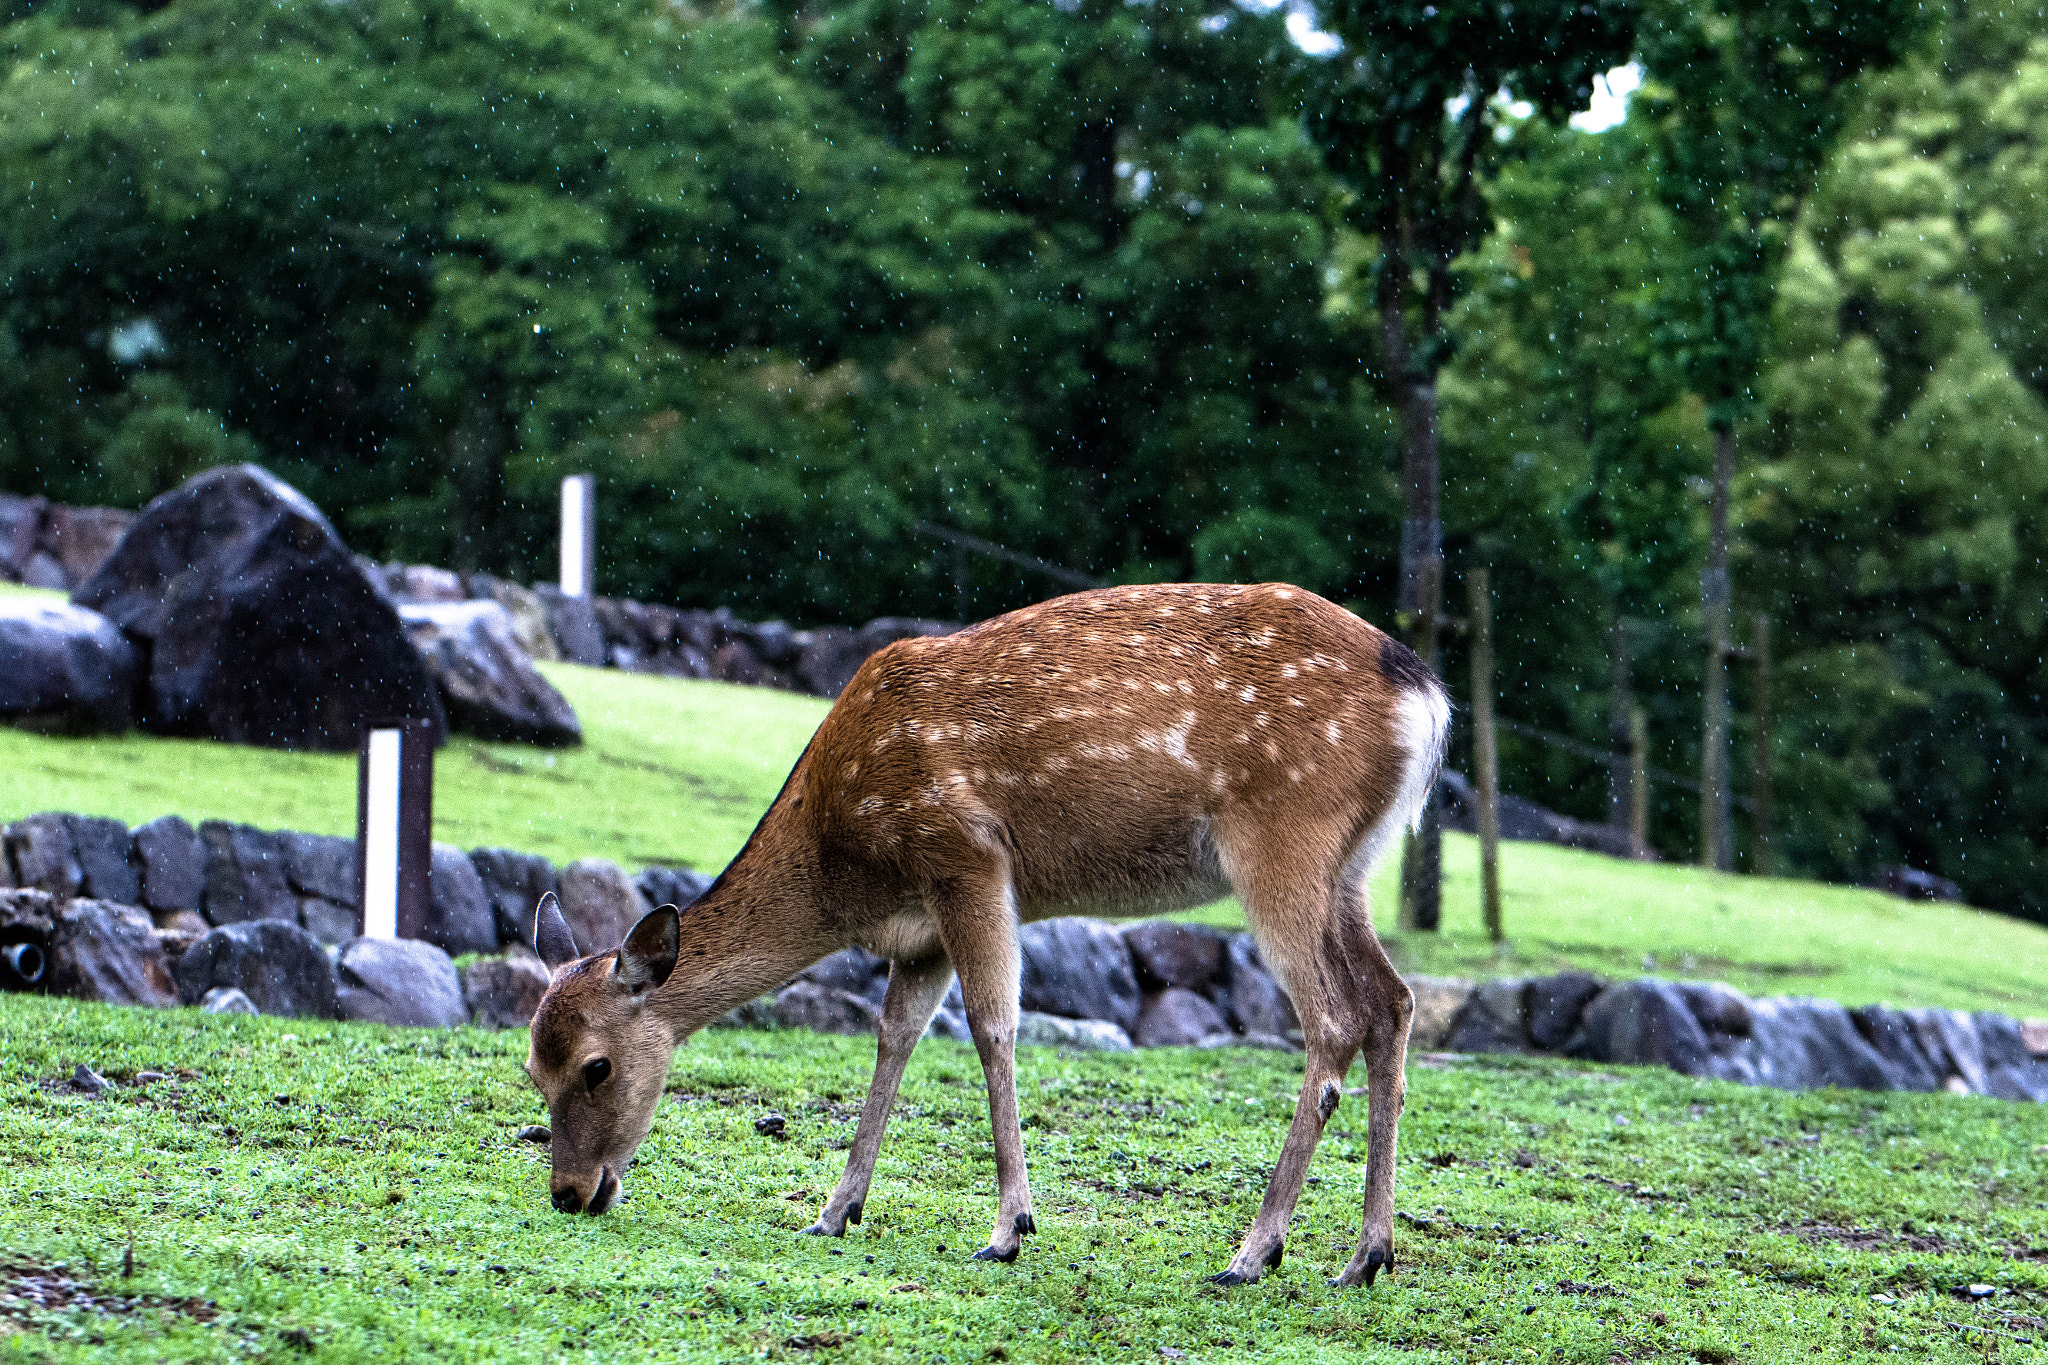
<point x="347" y="1192"/>
<point x="678" y="772"/>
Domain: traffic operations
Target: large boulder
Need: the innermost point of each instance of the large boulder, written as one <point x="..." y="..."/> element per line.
<point x="171" y="858"/>
<point x="1258" y="1004"/>
<point x="1076" y="1035"/>
<point x="1438" y="1002"/>
<point x="829" y="659"/>
<point x="489" y="687"/>
<point x="399" y="981"/>
<point x="1646" y="1023"/>
<point x="1079" y="969"/>
<point x="825" y="1009"/>
<point x="1803" y="1044"/>
<point x="1491" y="1020"/>
<point x="64" y="668"/>
<point x="321" y="871"/>
<point x="1165" y="954"/>
<point x="106" y="859"/>
<point x="245" y="876"/>
<point x="261" y="627"/>
<point x="677" y="886"/>
<point x="1891" y="1034"/>
<point x="852" y="969"/>
<point x="1552" y="1005"/>
<point x="279" y="966"/>
<point x="525" y="611"/>
<point x="111" y="953"/>
<point x="1177" y="1017"/>
<point x="42" y="856"/>
<point x="460" y="918"/>
<point x="503" y="992"/>
<point x="21" y="526"/>
<point x="82" y="538"/>
<point x="514" y="884"/>
<point x="599" y="903"/>
<point x="573" y="622"/>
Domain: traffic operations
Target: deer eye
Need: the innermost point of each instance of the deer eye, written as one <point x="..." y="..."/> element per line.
<point x="595" y="1072"/>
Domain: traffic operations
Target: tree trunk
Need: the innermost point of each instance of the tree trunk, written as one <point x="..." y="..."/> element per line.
<point x="1717" y="843"/>
<point x="1763" y="857"/>
<point x="1485" y="758"/>
<point x="1618" y="704"/>
<point x="1422" y="567"/>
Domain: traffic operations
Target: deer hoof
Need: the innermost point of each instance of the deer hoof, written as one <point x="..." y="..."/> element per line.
<point x="990" y="1253"/>
<point x="1230" y="1279"/>
<point x="819" y="1229"/>
<point x="1025" y="1224"/>
<point x="1376" y="1260"/>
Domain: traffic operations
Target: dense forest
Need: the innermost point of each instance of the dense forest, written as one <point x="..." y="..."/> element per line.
<point x="1118" y="285"/>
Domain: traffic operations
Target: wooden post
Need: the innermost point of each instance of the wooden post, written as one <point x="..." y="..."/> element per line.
<point x="1638" y="782"/>
<point x="1617" y="722"/>
<point x="1422" y="860"/>
<point x="1763" y="855"/>
<point x="1717" y="844"/>
<point x="394" y="828"/>
<point x="1485" y="757"/>
<point x="579" y="535"/>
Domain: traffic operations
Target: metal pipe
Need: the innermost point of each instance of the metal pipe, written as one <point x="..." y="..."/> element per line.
<point x="25" y="960"/>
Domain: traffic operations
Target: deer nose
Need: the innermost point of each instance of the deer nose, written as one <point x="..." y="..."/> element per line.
<point x="567" y="1200"/>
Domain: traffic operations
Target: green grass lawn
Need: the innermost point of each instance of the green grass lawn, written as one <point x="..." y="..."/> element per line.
<point x="356" y="1193"/>
<point x="678" y="772"/>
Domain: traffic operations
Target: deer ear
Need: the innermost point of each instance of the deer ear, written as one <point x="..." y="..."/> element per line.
<point x="551" y="936"/>
<point x="649" y="953"/>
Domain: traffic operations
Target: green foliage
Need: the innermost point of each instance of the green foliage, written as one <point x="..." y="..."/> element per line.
<point x="357" y="1192"/>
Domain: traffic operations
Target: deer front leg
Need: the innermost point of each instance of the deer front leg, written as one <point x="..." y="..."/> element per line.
<point x="915" y="990"/>
<point x="979" y="926"/>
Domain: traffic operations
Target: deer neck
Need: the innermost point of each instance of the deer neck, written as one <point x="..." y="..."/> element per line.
<point x="761" y="923"/>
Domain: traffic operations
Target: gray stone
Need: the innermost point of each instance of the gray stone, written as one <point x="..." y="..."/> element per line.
<point x="21" y="526"/>
<point x="173" y="864"/>
<point x="514" y="883"/>
<point x="279" y="966"/>
<point x="1458" y="808"/>
<point x="110" y="953"/>
<point x="1177" y="1017"/>
<point x="2011" y="1071"/>
<point x="1438" y="1000"/>
<point x="677" y="886"/>
<point x="1802" y="1044"/>
<point x="226" y="1000"/>
<point x="1551" y="1006"/>
<point x="1165" y="953"/>
<point x="1644" y="1023"/>
<point x="830" y="658"/>
<point x="43" y="571"/>
<point x="1949" y="1038"/>
<point x="1892" y="1036"/>
<point x="503" y="992"/>
<point x="245" y="876"/>
<point x="425" y="583"/>
<point x="887" y="630"/>
<point x="44" y="858"/>
<point x="824" y="1009"/>
<point x="262" y="628"/>
<point x="849" y="969"/>
<point x="599" y="903"/>
<point x="81" y="538"/>
<point x="105" y="859"/>
<point x="1257" y="1002"/>
<point x="64" y="669"/>
<point x="952" y="1026"/>
<point x="573" y="623"/>
<point x="529" y="616"/>
<point x="489" y="687"/>
<point x="399" y="981"/>
<point x="1078" y="1035"/>
<point x="736" y="662"/>
<point x="322" y="865"/>
<point x="331" y="923"/>
<point x="1079" y="969"/>
<point x="459" y="918"/>
<point x="1719" y="1007"/>
<point x="1491" y="1020"/>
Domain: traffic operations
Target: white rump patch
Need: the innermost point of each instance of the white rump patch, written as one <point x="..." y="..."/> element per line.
<point x="1421" y="726"/>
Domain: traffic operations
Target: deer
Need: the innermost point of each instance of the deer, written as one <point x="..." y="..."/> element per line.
<point x="1126" y="752"/>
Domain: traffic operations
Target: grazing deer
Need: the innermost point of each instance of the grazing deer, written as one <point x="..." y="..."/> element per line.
<point x="1129" y="751"/>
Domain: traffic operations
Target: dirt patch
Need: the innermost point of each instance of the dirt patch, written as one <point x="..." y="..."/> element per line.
<point x="1867" y="1239"/>
<point x="28" y="1289"/>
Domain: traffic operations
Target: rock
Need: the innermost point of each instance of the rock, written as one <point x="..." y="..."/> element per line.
<point x="850" y="969"/>
<point x="2034" y="1033"/>
<point x="514" y="884"/>
<point x="1801" y="1044"/>
<point x="1892" y="1036"/>
<point x="489" y="687"/>
<point x="1257" y="1002"/>
<point x="573" y="623"/>
<point x="173" y="864"/>
<point x="1551" y="1006"/>
<point x="1458" y="807"/>
<point x="245" y="876"/>
<point x="677" y="886"/>
<point x="279" y="966"/>
<point x="1177" y="1017"/>
<point x="226" y="1000"/>
<point x="180" y="924"/>
<point x="42" y="854"/>
<point x="110" y="953"/>
<point x="105" y="859"/>
<point x="424" y="583"/>
<point x="21" y="526"/>
<point x="2011" y="1071"/>
<point x="952" y="1026"/>
<point x="329" y="921"/>
<point x="736" y="662"/>
<point x="1720" y="1008"/>
<point x="1949" y="1038"/>
<point x="775" y="643"/>
<point x="887" y="630"/>
<point x="262" y="628"/>
<point x="322" y="865"/>
<point x="1081" y="1035"/>
<point x="459" y="916"/>
<point x="1437" y="1002"/>
<point x="1644" y="1023"/>
<point x="399" y="981"/>
<point x="829" y="660"/>
<point x="599" y="903"/>
<point x="824" y="1009"/>
<point x="82" y="538"/>
<point x="1079" y="969"/>
<point x="756" y="1013"/>
<point x="524" y="609"/>
<point x="1910" y="883"/>
<point x="65" y="669"/>
<point x="1168" y="954"/>
<point x="1491" y="1020"/>
<point x="504" y="991"/>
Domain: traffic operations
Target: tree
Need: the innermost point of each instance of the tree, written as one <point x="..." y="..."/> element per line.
<point x="1406" y="116"/>
<point x="1746" y="98"/>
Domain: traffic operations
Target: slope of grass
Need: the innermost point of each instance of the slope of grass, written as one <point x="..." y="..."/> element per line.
<point x="679" y="772"/>
<point x="353" y="1193"/>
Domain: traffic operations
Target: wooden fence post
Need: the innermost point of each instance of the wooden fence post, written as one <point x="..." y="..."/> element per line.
<point x="1764" y="856"/>
<point x="1638" y="782"/>
<point x="1485" y="757"/>
<point x="1618" y="693"/>
<point x="394" y="828"/>
<point x="1422" y="861"/>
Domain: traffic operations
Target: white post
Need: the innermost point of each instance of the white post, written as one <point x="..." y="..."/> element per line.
<point x="380" y="833"/>
<point x="579" y="534"/>
<point x="395" y="828"/>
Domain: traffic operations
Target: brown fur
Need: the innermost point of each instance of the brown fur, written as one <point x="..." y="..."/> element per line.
<point x="1124" y="752"/>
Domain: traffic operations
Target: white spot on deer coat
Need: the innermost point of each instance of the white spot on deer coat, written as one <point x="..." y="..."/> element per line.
<point x="1332" y="733"/>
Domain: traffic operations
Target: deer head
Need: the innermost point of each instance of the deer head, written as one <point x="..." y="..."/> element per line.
<point x="600" y="1052"/>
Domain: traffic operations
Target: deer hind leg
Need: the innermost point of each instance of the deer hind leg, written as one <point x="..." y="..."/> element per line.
<point x="1297" y="925"/>
<point x="1389" y="1009"/>
<point x="915" y="990"/>
<point x="978" y="924"/>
